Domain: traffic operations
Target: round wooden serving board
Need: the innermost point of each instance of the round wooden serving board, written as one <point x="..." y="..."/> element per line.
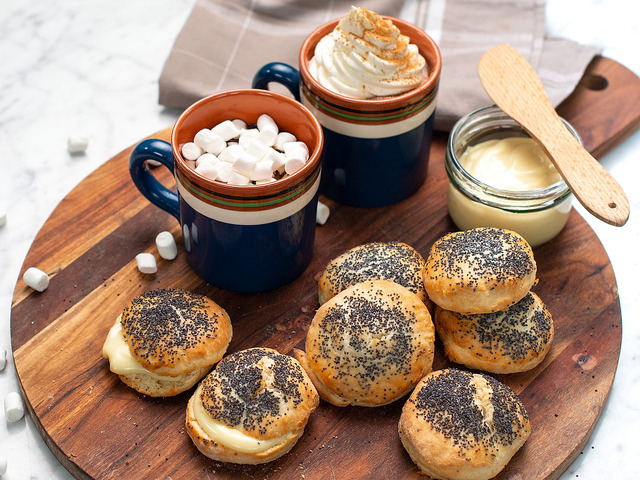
<point x="99" y="428"/>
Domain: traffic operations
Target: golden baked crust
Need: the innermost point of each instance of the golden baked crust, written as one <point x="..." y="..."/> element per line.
<point x="259" y="393"/>
<point x="369" y="345"/>
<point x="395" y="261"/>
<point x="510" y="341"/>
<point x="481" y="270"/>
<point x="458" y="425"/>
<point x="173" y="332"/>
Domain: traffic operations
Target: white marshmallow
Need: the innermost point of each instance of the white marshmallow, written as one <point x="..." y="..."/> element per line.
<point x="3" y="465"/>
<point x="191" y="151"/>
<point x="77" y="144"/>
<point x="36" y="279"/>
<point x="216" y="144"/>
<point x="262" y="171"/>
<point x="203" y="137"/>
<point x="295" y="147"/>
<point x="13" y="407"/>
<point x="239" y="123"/>
<point x="277" y="158"/>
<point x="226" y="130"/>
<point x="207" y="157"/>
<point x="253" y="146"/>
<point x="237" y="179"/>
<point x="231" y="153"/>
<point x="208" y="170"/>
<point x="249" y="132"/>
<point x="244" y="164"/>
<point x="225" y="170"/>
<point x="266" y="180"/>
<point x="146" y="263"/>
<point x="268" y="130"/>
<point x="293" y="165"/>
<point x="3" y="359"/>
<point x="166" y="244"/>
<point x="282" y="138"/>
<point x="322" y="213"/>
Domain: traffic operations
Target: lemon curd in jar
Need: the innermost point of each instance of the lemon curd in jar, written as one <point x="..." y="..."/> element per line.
<point x="500" y="177"/>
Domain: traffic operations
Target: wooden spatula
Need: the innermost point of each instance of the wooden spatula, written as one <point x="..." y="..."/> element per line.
<point x="514" y="86"/>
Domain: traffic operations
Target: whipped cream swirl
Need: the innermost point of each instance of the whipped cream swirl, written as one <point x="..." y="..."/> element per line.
<point x="366" y="56"/>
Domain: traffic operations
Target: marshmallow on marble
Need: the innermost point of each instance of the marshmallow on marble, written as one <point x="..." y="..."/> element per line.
<point x="166" y="244"/>
<point x="77" y="144"/>
<point x="36" y="279"/>
<point x="191" y="151"/>
<point x="3" y="359"/>
<point x="3" y="465"/>
<point x="13" y="407"/>
<point x="146" y="263"/>
<point x="322" y="213"/>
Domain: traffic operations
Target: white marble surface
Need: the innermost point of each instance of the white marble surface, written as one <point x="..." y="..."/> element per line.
<point x="78" y="67"/>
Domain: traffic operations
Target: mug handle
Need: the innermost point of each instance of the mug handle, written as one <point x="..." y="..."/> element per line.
<point x="156" y="193"/>
<point x="281" y="73"/>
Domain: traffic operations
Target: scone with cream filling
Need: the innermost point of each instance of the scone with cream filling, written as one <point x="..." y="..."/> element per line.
<point x="394" y="261"/>
<point x="481" y="270"/>
<point x="251" y="408"/>
<point x="458" y="425"/>
<point x="510" y="341"/>
<point x="369" y="345"/>
<point x="166" y="340"/>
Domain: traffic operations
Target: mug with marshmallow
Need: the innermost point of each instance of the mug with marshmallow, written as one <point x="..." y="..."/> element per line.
<point x="243" y="229"/>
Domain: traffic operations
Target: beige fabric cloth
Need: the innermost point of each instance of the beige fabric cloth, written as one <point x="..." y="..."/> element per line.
<point x="224" y="42"/>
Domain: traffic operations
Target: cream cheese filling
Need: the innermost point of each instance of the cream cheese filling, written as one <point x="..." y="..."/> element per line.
<point x="230" y="437"/>
<point x="121" y="361"/>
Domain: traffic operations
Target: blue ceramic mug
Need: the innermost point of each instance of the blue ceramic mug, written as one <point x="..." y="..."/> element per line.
<point x="246" y="238"/>
<point x="376" y="151"/>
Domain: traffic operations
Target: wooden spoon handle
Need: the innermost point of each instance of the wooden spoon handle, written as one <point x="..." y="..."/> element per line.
<point x="514" y="86"/>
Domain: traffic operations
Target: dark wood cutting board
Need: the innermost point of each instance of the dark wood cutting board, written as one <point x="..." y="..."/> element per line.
<point x="99" y="428"/>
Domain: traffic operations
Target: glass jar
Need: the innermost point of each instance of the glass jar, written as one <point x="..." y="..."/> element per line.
<point x="538" y="215"/>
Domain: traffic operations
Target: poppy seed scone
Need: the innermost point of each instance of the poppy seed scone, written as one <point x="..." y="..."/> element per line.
<point x="481" y="270"/>
<point x="395" y="261"/>
<point x="251" y="408"/>
<point x="458" y="425"/>
<point x="510" y="341"/>
<point x="369" y="345"/>
<point x="166" y="340"/>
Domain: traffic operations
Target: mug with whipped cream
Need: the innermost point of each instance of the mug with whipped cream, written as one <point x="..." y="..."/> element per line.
<point x="372" y="83"/>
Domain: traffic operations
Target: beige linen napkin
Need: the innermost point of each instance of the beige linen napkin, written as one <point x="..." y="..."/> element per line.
<point x="224" y="42"/>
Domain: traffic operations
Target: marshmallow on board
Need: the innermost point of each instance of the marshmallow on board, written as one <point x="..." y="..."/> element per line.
<point x="13" y="407"/>
<point x="166" y="244"/>
<point x="249" y="156"/>
<point x="146" y="263"/>
<point x="36" y="279"/>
